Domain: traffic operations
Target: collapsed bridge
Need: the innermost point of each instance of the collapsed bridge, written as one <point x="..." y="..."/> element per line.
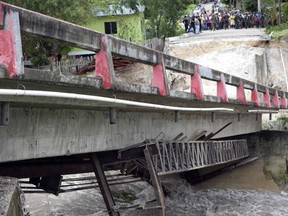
<point x="54" y="123"/>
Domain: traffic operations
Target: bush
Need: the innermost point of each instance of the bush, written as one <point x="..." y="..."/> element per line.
<point x="279" y="31"/>
<point x="282" y="27"/>
<point x="190" y="8"/>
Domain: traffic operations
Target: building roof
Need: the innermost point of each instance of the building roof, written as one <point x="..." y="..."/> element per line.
<point x="113" y="11"/>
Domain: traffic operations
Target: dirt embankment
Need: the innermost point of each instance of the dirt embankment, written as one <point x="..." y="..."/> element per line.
<point x="235" y="55"/>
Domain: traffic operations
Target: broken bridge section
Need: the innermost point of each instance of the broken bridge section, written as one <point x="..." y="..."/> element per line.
<point x="178" y="156"/>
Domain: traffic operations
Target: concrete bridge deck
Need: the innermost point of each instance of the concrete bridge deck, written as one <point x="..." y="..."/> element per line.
<point x="48" y="113"/>
<point x="48" y="116"/>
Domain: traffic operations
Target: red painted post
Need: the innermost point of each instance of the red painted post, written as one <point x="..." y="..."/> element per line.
<point x="254" y="95"/>
<point x="221" y="89"/>
<point x="196" y="83"/>
<point x="241" y="93"/>
<point x="10" y="43"/>
<point x="283" y="100"/>
<point x="267" y="98"/>
<point x="159" y="79"/>
<point x="104" y="64"/>
<point x="275" y="100"/>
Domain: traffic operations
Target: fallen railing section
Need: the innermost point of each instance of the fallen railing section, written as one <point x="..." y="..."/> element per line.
<point x="177" y="156"/>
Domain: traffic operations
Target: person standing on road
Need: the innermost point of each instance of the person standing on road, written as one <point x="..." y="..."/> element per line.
<point x="238" y="20"/>
<point x="208" y="21"/>
<point x="186" y="23"/>
<point x="226" y="20"/>
<point x="197" y="25"/>
<point x="192" y="24"/>
<point x="214" y="21"/>
<point x="232" y="20"/>
<point x="200" y="23"/>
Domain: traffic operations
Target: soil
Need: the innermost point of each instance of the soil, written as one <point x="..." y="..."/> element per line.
<point x="232" y="51"/>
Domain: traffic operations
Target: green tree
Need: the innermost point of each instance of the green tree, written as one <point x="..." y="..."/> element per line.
<point x="162" y="15"/>
<point x="78" y="12"/>
<point x="250" y="5"/>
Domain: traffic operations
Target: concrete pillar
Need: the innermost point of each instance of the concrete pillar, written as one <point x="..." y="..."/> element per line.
<point x="12" y="199"/>
<point x="261" y="68"/>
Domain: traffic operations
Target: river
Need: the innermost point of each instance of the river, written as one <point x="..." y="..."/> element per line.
<point x="241" y="191"/>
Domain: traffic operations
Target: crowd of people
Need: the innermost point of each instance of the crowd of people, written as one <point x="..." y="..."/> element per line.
<point x="222" y="18"/>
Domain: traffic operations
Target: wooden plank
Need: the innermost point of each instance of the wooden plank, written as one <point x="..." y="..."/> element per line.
<point x="155" y="181"/>
<point x="104" y="187"/>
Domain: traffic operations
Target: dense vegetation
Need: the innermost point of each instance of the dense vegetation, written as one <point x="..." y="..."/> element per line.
<point x="38" y="49"/>
<point x="162" y="18"/>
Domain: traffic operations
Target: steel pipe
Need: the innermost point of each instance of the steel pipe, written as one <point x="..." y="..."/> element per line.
<point x="110" y="101"/>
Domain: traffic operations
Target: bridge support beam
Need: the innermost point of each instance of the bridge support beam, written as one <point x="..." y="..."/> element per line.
<point x="155" y="181"/>
<point x="103" y="184"/>
<point x="4" y="113"/>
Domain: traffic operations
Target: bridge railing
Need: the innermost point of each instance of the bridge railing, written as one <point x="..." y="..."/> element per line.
<point x="177" y="156"/>
<point x="13" y="20"/>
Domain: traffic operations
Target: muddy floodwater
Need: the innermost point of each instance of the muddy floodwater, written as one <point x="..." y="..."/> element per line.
<point x="241" y="191"/>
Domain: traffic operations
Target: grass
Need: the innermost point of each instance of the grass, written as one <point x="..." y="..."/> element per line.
<point x="189" y="9"/>
<point x="124" y="196"/>
<point x="283" y="119"/>
<point x="279" y="31"/>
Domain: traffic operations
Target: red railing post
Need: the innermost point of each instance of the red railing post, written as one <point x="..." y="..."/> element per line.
<point x="10" y="42"/>
<point x="196" y="83"/>
<point x="241" y="93"/>
<point x="275" y="99"/>
<point x="254" y="95"/>
<point x="104" y="67"/>
<point x="283" y="100"/>
<point x="221" y="89"/>
<point x="267" y="98"/>
<point x="160" y="79"/>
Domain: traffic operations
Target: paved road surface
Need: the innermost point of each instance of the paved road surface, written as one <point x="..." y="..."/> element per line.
<point x="221" y="34"/>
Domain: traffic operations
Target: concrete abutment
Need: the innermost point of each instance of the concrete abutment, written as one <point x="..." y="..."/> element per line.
<point x="11" y="197"/>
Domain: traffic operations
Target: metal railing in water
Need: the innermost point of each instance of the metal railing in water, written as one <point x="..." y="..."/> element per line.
<point x="178" y="156"/>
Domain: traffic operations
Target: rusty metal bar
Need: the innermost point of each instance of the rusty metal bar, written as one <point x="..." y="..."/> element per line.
<point x="176" y="156"/>
<point x="104" y="187"/>
<point x="155" y="180"/>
